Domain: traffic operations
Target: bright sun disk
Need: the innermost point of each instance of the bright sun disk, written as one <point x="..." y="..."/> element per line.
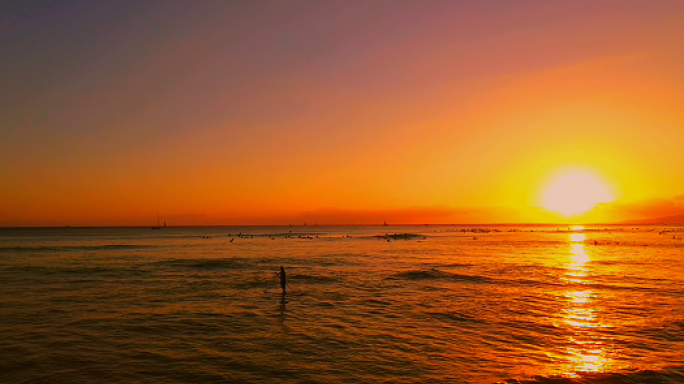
<point x="573" y="192"/>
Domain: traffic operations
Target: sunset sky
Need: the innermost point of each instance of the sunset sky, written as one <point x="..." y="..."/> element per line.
<point x="338" y="112"/>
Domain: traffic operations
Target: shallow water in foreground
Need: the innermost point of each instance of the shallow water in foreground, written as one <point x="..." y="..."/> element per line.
<point x="187" y="305"/>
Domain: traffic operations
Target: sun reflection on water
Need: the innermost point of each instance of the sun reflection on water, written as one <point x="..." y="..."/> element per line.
<point x="585" y="351"/>
<point x="577" y="237"/>
<point x="576" y="270"/>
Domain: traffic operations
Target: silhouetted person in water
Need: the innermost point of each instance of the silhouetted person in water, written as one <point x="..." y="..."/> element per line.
<point x="283" y="278"/>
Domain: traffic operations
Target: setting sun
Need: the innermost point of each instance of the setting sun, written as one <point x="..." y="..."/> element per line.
<point x="575" y="191"/>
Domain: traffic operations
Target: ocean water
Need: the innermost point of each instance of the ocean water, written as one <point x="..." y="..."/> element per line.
<point x="447" y="305"/>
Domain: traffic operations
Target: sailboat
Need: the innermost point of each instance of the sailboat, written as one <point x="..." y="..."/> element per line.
<point x="384" y="225"/>
<point x="159" y="225"/>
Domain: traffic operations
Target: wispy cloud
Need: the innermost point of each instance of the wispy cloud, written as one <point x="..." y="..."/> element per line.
<point x="646" y="209"/>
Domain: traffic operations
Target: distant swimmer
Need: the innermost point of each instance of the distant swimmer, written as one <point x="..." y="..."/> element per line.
<point x="283" y="278"/>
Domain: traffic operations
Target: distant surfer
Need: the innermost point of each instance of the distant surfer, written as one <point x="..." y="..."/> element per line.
<point x="283" y="278"/>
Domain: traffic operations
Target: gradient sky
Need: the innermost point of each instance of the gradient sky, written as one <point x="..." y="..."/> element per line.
<point x="256" y="112"/>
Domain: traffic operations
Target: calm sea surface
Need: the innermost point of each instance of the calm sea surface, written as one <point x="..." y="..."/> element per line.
<point x="188" y="305"/>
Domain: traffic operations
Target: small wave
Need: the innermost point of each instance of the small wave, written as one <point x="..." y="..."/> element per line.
<point x="435" y="274"/>
<point x="620" y="287"/>
<point x="454" y="316"/>
<point x="255" y="284"/>
<point x="377" y="303"/>
<point x="72" y="271"/>
<point x="313" y="279"/>
<point x="456" y="265"/>
<point x="607" y="262"/>
<point x="639" y="377"/>
<point x="45" y="248"/>
<point x="210" y="264"/>
<point x="669" y="332"/>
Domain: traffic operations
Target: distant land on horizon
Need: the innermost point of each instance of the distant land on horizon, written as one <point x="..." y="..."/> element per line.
<point x="678" y="219"/>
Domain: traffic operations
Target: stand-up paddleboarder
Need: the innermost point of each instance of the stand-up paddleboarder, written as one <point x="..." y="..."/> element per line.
<point x="283" y="278"/>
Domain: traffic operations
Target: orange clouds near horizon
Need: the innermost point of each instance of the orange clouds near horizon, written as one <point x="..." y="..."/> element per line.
<point x="606" y="213"/>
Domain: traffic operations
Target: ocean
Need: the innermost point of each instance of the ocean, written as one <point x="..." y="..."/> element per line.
<point x="444" y="304"/>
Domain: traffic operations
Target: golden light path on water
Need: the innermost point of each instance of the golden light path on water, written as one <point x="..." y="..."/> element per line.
<point x="587" y="350"/>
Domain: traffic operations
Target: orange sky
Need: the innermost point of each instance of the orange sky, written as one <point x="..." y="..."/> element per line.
<point x="337" y="112"/>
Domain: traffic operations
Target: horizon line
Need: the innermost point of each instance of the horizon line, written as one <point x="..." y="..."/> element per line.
<point x="328" y="225"/>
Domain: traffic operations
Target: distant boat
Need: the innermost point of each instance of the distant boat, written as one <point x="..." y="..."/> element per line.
<point x="158" y="225"/>
<point x="384" y="225"/>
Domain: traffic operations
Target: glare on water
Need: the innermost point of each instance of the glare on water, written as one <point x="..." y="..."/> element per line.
<point x="586" y="351"/>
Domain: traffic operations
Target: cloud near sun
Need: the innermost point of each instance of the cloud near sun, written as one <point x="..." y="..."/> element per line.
<point x="596" y="213"/>
<point x="612" y="212"/>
